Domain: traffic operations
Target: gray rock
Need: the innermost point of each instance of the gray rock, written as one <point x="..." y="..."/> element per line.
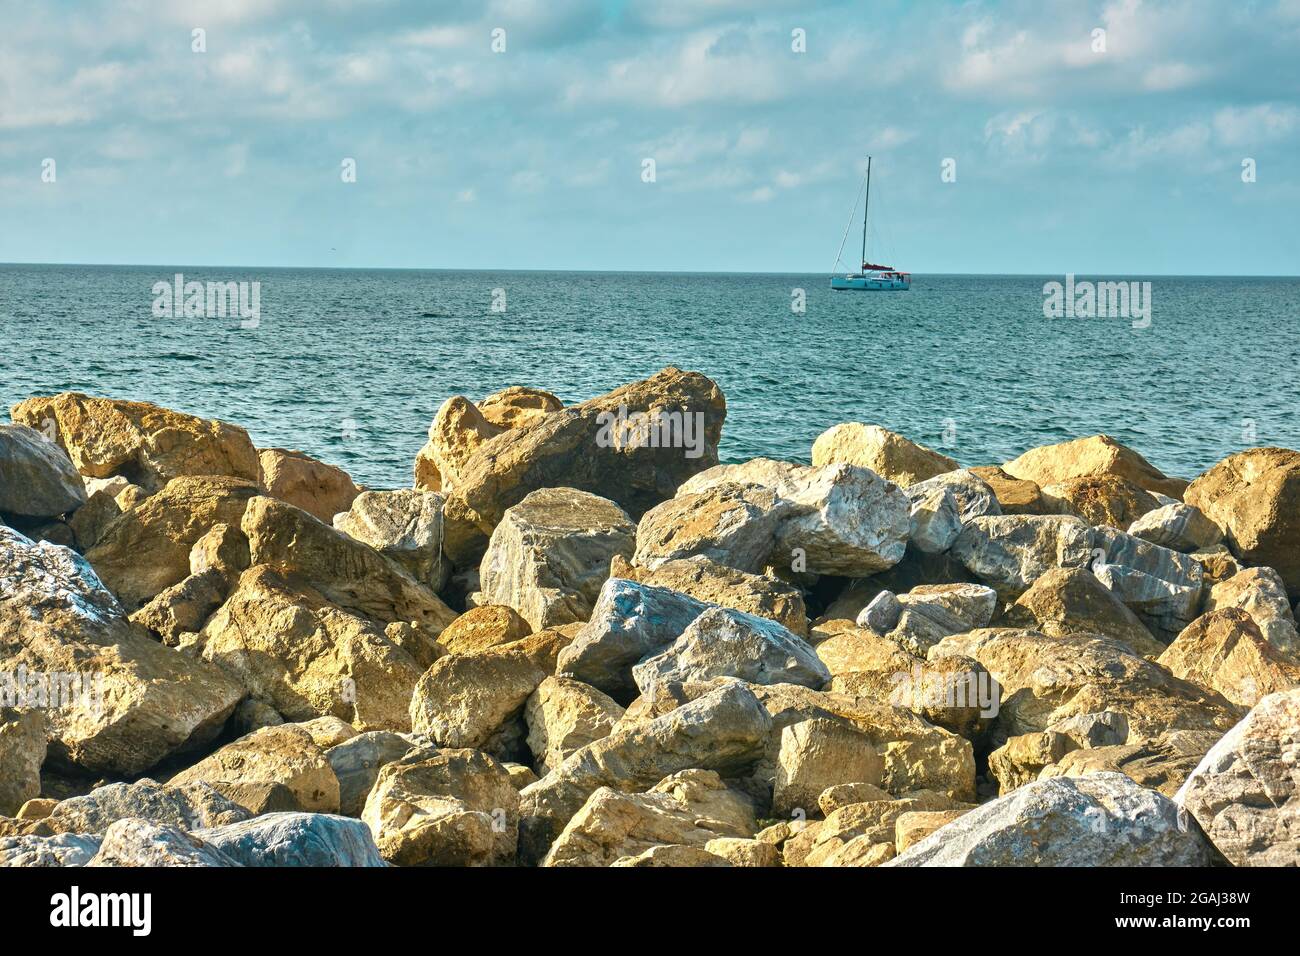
<point x="404" y="525"/>
<point x="62" y="849"/>
<point x="137" y="843"/>
<point x="188" y="807"/>
<point x="1103" y="819"/>
<point x="1010" y="552"/>
<point x="1160" y="586"/>
<point x="723" y="642"/>
<point x="845" y="520"/>
<point x="733" y="524"/>
<point x="357" y="762"/>
<point x="934" y="611"/>
<point x="22" y="751"/>
<point x="1261" y="594"/>
<point x="1177" y="526"/>
<point x="882" y="613"/>
<point x="296" y="839"/>
<point x="941" y="506"/>
<point x="551" y="553"/>
<point x="37" y="479"/>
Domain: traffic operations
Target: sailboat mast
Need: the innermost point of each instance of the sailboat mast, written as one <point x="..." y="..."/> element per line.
<point x="865" y="204"/>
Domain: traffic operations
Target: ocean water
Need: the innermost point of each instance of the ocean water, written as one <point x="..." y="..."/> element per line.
<point x="351" y="365"/>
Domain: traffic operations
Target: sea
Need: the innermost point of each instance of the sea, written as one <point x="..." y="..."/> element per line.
<point x="350" y="366"/>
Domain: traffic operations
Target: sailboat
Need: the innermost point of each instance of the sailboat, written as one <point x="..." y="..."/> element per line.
<point x="872" y="277"/>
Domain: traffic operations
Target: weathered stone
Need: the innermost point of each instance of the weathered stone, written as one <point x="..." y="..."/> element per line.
<point x="328" y="731"/>
<point x="345" y="571"/>
<point x="319" y="489"/>
<point x="564" y="716"/>
<point x="1245" y="793"/>
<point x="1100" y="499"/>
<point x="722" y="642"/>
<point x="629" y="622"/>
<point x="459" y="429"/>
<point x="356" y="763"/>
<point x="1103" y="819"/>
<point x="887" y="453"/>
<point x="518" y="406"/>
<point x="453" y="808"/>
<point x="1091" y="457"/>
<point x="1162" y="587"/>
<point x="860" y="834"/>
<point x="1015" y="495"/>
<point x="288" y="645"/>
<point x="1162" y="764"/>
<point x="521" y="775"/>
<point x="741" y="852"/>
<point x="183" y="607"/>
<point x="221" y="548"/>
<point x="296" y="839"/>
<point x="37" y="479"/>
<point x="845" y="794"/>
<point x="1254" y="496"/>
<point x="943" y="504"/>
<point x="953" y="692"/>
<point x="1177" y="526"/>
<point x="61" y="849"/>
<point x="707" y="580"/>
<point x="881" y="613"/>
<point x="914" y="826"/>
<point x="724" y="730"/>
<point x="23" y="737"/>
<point x="1066" y="602"/>
<point x="1261" y="594"/>
<point x="1225" y="650"/>
<point x="138" y="843"/>
<point x="403" y="525"/>
<point x="731" y="524"/>
<point x="672" y="855"/>
<point x="689" y="808"/>
<point x="483" y="628"/>
<point x="38" y="808"/>
<point x="929" y="613"/>
<point x="1047" y="679"/>
<point x="1010" y="552"/>
<point x="463" y="700"/>
<point x="268" y="769"/>
<point x="190" y="806"/>
<point x="551" y="553"/>
<point x="817" y="754"/>
<point x="128" y="701"/>
<point x="1022" y="758"/>
<point x="147" y="549"/>
<point x="145" y="443"/>
<point x="89" y="522"/>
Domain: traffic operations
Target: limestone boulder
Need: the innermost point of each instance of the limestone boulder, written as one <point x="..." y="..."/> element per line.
<point x="887" y="453"/>
<point x="551" y="553"/>
<point x="1245" y="793"/>
<point x="518" y="406"/>
<point x="739" y="851"/>
<point x="1010" y="552"/>
<point x="1103" y="819"/>
<point x="183" y="607"/>
<point x="404" y="526"/>
<point x="1225" y="650"/>
<point x="673" y="855"/>
<point x="1261" y="594"/>
<point x="1177" y="526"/>
<point x="732" y="524"/>
<point x="346" y="572"/>
<point x="356" y="763"/>
<point x="861" y="834"/>
<point x="564" y="716"/>
<point x="147" y="549"/>
<point x="276" y="768"/>
<point x="222" y="548"/>
<point x="37" y="479"/>
<point x="1072" y="601"/>
<point x="1254" y="496"/>
<point x="929" y="613"/>
<point x="1100" y="500"/>
<point x="295" y="839"/>
<point x="61" y="849"/>
<point x="23" y="739"/>
<point x="915" y="825"/>
<point x="147" y="444"/>
<point x="465" y="700"/>
<point x="1022" y="758"/>
<point x="1015" y="495"/>
<point x="138" y="843"/>
<point x="459" y="429"/>
<point x="125" y="701"/>
<point x="941" y="506"/>
<point x="1163" y="763"/>
<point x="191" y="806"/>
<point x="319" y="489"/>
<point x="286" y="644"/>
<point x="483" y="628"/>
<point x="1161" y="586"/>
<point x="817" y="754"/>
<point x="1091" y="457"/>
<point x="455" y="807"/>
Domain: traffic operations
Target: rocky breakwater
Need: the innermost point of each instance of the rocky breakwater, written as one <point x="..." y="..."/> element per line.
<point x="579" y="640"/>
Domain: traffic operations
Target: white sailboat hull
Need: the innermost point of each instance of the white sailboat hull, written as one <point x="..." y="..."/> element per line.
<point x="871" y="282"/>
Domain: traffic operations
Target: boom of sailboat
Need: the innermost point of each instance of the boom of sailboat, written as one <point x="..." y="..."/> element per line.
<point x="871" y="277"/>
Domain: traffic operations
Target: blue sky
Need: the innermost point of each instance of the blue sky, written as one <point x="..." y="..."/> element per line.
<point x="1127" y="161"/>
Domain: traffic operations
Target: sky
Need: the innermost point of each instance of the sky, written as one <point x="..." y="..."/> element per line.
<point x="519" y="134"/>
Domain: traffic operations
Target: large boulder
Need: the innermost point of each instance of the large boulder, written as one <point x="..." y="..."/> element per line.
<point x="1010" y="552"/>
<point x="518" y="406"/>
<point x="563" y="717"/>
<point x="1162" y="764"/>
<point x="551" y="553"/>
<point x="820" y="753"/>
<point x="289" y="646"/>
<point x="1048" y="679"/>
<point x="295" y="839"/>
<point x="275" y="768"/>
<point x="189" y="806"/>
<point x="730" y="523"/>
<point x="1161" y="586"/>
<point x="450" y="808"/>
<point x="724" y="730"/>
<point x="182" y="608"/>
<point x="356" y="763"/>
<point x="147" y="549"/>
<point x="22" y="751"/>
<point x="942" y="505"/>
<point x="1226" y="651"/>
<point x="924" y="616"/>
<point x="124" y="701"/>
<point x="403" y="525"/>
<point x="319" y="489"/>
<point x="139" y="843"/>
<point x="1177" y="526"/>
<point x="707" y="580"/>
<point x="37" y="479"/>
<point x="1261" y="594"/>
<point x="1245" y="793"/>
<point x="1103" y="819"/>
<point x="722" y="642"/>
<point x="887" y="453"/>
<point x="1254" y="496"/>
<point x="1015" y="495"/>
<point x="1100" y="499"/>
<point x="1066" y="602"/>
<point x="61" y="849"/>
<point x="145" y="443"/>
<point x="346" y="572"/>
<point x="483" y="628"/>
<point x="861" y="833"/>
<point x="1091" y="457"/>
<point x="585" y="447"/>
<point x="686" y="809"/>
<point x="465" y="700"/>
<point x="458" y="430"/>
